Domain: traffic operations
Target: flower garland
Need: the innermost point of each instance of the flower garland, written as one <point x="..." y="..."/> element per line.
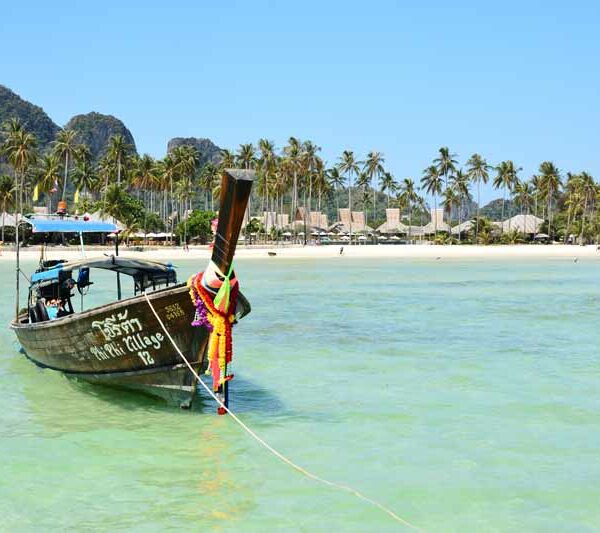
<point x="218" y="323"/>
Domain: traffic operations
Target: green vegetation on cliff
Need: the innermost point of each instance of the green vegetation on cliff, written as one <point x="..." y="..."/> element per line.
<point x="95" y="129"/>
<point x="33" y="118"/>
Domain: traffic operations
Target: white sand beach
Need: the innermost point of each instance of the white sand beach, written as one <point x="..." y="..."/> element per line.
<point x="437" y="252"/>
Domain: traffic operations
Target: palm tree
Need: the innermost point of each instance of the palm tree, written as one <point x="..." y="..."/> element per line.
<point x="574" y="191"/>
<point x="551" y="183"/>
<point x="144" y="176"/>
<point x="432" y="182"/>
<point x="64" y="146"/>
<point x="118" y="150"/>
<point x="506" y="177"/>
<point x="209" y="178"/>
<point x="336" y="180"/>
<point x="589" y="195"/>
<point x="7" y="191"/>
<point x="478" y="171"/>
<point x="409" y="197"/>
<point x="363" y="182"/>
<point x="460" y="183"/>
<point x="349" y="166"/>
<point x="19" y="148"/>
<point x="523" y="197"/>
<point x="293" y="154"/>
<point x="266" y="169"/>
<point x="309" y="156"/>
<point x="450" y="202"/>
<point x="188" y="159"/>
<point x="227" y="159"/>
<point x="246" y="156"/>
<point x="388" y="185"/>
<point x="536" y="188"/>
<point x="48" y="176"/>
<point x="373" y="168"/>
<point x="445" y="163"/>
<point x="84" y="174"/>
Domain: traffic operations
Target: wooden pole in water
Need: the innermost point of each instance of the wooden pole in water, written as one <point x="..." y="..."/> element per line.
<point x="18" y="268"/>
<point x="18" y="210"/>
<point x="236" y="186"/>
<point x="118" y="273"/>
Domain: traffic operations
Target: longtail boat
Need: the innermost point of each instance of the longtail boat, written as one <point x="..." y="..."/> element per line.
<point x="122" y="344"/>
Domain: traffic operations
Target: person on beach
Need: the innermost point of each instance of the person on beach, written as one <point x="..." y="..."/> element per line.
<point x="341" y="250"/>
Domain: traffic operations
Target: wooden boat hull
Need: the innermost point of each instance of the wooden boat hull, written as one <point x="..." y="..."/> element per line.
<point x="122" y="344"/>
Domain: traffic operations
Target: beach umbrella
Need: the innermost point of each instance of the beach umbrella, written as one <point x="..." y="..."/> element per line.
<point x="287" y="234"/>
<point x="362" y="238"/>
<point x="345" y="238"/>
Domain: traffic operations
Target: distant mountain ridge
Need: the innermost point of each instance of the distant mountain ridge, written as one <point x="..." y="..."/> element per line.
<point x="209" y="151"/>
<point x="33" y="117"/>
<point x="95" y="129"/>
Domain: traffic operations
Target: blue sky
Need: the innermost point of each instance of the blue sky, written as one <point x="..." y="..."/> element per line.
<point x="510" y="80"/>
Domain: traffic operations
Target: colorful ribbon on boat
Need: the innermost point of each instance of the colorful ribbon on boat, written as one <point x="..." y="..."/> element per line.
<point x="215" y="312"/>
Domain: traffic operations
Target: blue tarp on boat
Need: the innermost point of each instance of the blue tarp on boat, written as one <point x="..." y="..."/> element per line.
<point x="69" y="225"/>
<point x="46" y="274"/>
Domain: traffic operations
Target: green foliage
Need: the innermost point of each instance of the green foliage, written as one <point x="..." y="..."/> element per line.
<point x="493" y="210"/>
<point x="254" y="226"/>
<point x="512" y="237"/>
<point x="198" y="226"/>
<point x="33" y="118"/>
<point x="95" y="129"/>
<point x="125" y="208"/>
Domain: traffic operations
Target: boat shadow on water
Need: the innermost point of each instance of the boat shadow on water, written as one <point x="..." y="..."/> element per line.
<point x="246" y="396"/>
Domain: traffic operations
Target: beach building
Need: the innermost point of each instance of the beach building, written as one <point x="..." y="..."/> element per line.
<point x="318" y="220"/>
<point x="463" y="228"/>
<point x="526" y="224"/>
<point x="392" y="224"/>
<point x="437" y="223"/>
<point x="283" y="220"/>
<point x="269" y="220"/>
<point x="7" y="220"/>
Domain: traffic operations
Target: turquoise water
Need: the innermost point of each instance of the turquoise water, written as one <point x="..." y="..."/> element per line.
<point x="463" y="395"/>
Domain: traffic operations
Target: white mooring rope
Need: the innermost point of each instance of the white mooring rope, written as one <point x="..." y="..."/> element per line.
<point x="270" y="448"/>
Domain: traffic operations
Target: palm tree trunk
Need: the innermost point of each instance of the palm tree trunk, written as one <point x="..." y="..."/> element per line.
<point x="503" y="201"/>
<point x="350" y="204"/>
<point x="434" y="216"/>
<point x="66" y="174"/>
<point x="568" y="219"/>
<point x="478" y="206"/>
<point x="583" y="219"/>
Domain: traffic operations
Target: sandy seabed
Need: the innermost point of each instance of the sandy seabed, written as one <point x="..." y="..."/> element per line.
<point x="418" y="251"/>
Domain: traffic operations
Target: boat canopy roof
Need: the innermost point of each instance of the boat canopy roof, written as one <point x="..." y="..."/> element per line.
<point x="123" y="265"/>
<point x="69" y="225"/>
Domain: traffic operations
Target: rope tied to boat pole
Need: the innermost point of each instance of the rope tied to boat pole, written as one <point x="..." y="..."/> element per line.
<point x="266" y="445"/>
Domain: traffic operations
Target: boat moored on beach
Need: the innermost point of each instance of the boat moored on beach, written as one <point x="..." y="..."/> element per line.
<point x="123" y="343"/>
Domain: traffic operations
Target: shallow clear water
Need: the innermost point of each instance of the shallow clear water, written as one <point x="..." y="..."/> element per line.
<point x="463" y="395"/>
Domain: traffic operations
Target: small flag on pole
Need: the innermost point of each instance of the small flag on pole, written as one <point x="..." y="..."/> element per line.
<point x="76" y="199"/>
<point x="36" y="193"/>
